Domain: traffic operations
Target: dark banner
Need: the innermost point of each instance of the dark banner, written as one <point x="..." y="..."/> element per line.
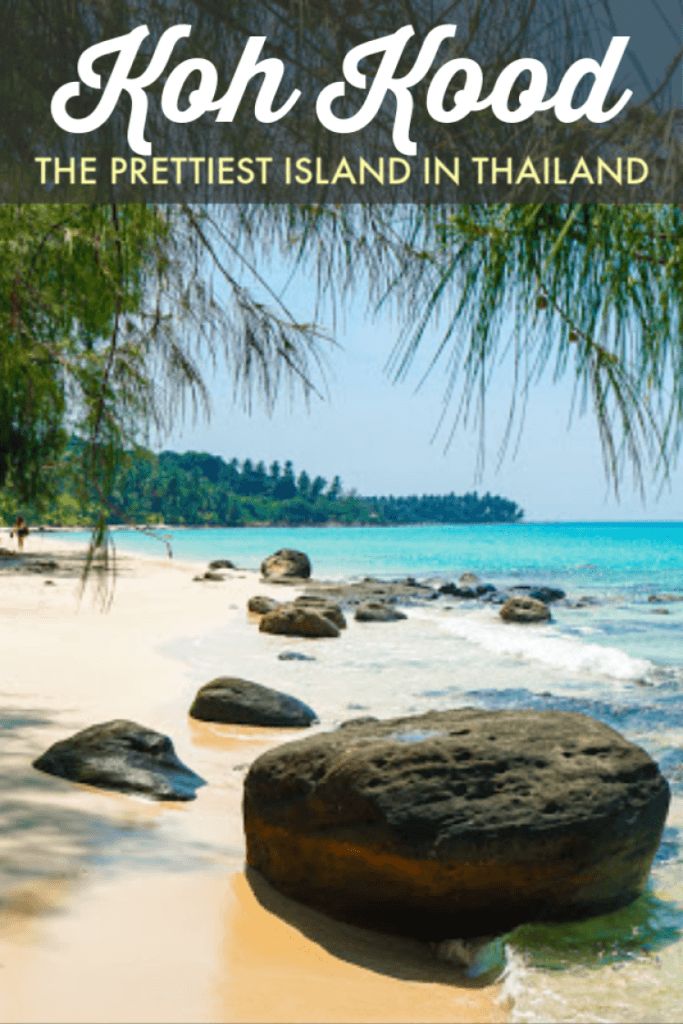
<point x="310" y="102"/>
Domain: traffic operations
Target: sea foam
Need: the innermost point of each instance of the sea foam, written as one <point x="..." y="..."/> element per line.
<point x="545" y="645"/>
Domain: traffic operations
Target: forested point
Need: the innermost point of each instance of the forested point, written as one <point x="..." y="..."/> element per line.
<point x="198" y="489"/>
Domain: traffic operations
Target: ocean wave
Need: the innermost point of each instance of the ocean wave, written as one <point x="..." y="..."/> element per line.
<point x="548" y="646"/>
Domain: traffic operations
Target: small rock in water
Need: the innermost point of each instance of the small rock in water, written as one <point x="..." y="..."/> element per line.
<point x="294" y="656"/>
<point x="240" y="702"/>
<point x="545" y="594"/>
<point x="123" y="756"/>
<point x="377" y="611"/>
<point x="525" y="610"/>
<point x="664" y="598"/>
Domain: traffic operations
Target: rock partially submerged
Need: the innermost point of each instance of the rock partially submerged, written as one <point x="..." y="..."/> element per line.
<point x="286" y="564"/>
<point x="377" y="611"/>
<point x="123" y="756"/>
<point x="221" y="563"/>
<point x="240" y="702"/>
<point x="548" y="595"/>
<point x="467" y="591"/>
<point x="525" y="610"/>
<point x="665" y="598"/>
<point x="457" y="823"/>
<point x="294" y="656"/>
<point x="295" y="620"/>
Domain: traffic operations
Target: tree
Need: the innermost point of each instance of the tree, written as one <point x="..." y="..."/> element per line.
<point x="108" y="312"/>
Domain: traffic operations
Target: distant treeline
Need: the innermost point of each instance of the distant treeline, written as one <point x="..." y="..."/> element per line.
<point x="197" y="489"/>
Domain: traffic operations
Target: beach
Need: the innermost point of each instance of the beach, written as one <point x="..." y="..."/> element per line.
<point x="114" y="908"/>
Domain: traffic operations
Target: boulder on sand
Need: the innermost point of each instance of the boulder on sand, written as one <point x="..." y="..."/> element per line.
<point x="124" y="756"/>
<point x="377" y="611"/>
<point x="222" y="563"/>
<point x="525" y="610"/>
<point x="295" y="620"/>
<point x="457" y="823"/>
<point x="260" y="605"/>
<point x="239" y="702"/>
<point x="286" y="564"/>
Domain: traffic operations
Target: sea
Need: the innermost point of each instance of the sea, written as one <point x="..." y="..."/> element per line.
<point x="617" y="657"/>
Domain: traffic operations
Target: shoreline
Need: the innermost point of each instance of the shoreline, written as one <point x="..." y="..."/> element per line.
<point x="181" y="933"/>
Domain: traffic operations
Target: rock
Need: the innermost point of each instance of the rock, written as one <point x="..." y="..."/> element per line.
<point x="324" y="607"/>
<point x="664" y="598"/>
<point x="525" y="609"/>
<point x="239" y="702"/>
<point x="660" y="611"/>
<point x="260" y="605"/>
<point x="467" y="591"/>
<point x="7" y="553"/>
<point x="294" y="656"/>
<point x="351" y="723"/>
<point x="457" y="823"/>
<point x="469" y="579"/>
<point x="407" y="591"/>
<point x="377" y="611"/>
<point x="41" y="565"/>
<point x="546" y="594"/>
<point x="222" y="563"/>
<point x="286" y="564"/>
<point x="293" y="620"/>
<point x="124" y="756"/>
<point x="210" y="577"/>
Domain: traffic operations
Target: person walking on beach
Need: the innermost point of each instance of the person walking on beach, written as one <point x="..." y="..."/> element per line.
<point x="20" y="531"/>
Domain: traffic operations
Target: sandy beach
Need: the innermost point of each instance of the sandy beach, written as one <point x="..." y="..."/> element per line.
<point x="117" y="909"/>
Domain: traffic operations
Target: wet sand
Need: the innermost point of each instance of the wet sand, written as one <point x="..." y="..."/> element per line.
<point x="117" y="909"/>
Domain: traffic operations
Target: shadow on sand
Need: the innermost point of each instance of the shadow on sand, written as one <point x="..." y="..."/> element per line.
<point x="394" y="956"/>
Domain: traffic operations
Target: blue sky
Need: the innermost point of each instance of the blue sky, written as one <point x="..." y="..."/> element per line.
<point x="379" y="436"/>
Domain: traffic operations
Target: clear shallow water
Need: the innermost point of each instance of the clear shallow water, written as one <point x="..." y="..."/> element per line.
<point x="619" y="661"/>
<point x="587" y="554"/>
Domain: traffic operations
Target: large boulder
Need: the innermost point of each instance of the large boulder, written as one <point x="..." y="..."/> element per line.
<point x="261" y="605"/>
<point x="378" y="611"/>
<point x="239" y="702"/>
<point x="457" y="823"/>
<point x="124" y="756"/>
<point x="295" y="620"/>
<point x="286" y="564"/>
<point x="525" y="610"/>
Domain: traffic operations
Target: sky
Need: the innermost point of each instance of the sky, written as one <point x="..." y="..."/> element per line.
<point x="379" y="436"/>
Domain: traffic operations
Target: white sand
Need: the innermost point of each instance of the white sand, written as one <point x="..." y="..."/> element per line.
<point x="118" y="909"/>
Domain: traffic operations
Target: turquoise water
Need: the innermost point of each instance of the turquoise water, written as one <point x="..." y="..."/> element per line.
<point x="585" y="554"/>
<point x="619" y="660"/>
